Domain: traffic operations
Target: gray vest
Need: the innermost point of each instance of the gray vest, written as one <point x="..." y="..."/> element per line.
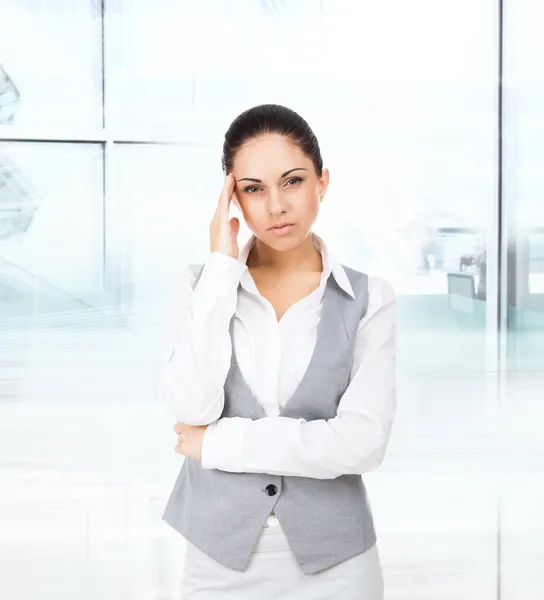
<point x="326" y="521"/>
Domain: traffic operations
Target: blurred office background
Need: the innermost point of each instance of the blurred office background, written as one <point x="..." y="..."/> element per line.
<point x="430" y="115"/>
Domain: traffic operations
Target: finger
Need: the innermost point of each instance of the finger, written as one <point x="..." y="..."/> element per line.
<point x="226" y="195"/>
<point x="234" y="228"/>
<point x="231" y="187"/>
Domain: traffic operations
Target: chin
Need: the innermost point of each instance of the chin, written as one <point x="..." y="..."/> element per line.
<point x="288" y="242"/>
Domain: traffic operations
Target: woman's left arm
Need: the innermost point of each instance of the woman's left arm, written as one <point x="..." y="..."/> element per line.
<point x="353" y="442"/>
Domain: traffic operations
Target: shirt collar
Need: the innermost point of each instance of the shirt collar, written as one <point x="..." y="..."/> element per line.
<point x="330" y="265"/>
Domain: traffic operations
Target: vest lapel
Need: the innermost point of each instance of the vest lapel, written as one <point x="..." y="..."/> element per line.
<point x="331" y="339"/>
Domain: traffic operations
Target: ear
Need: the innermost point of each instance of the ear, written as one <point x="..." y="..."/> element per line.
<point x="323" y="184"/>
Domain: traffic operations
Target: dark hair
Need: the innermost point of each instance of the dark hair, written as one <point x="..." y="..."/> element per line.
<point x="265" y="119"/>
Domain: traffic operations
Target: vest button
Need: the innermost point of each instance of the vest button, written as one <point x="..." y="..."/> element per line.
<point x="271" y="490"/>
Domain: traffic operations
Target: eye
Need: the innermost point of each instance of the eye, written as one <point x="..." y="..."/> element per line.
<point x="251" y="189"/>
<point x="294" y="180"/>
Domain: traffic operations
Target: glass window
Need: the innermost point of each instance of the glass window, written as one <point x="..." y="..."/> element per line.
<point x="522" y="497"/>
<point x="184" y="68"/>
<point x="51" y="57"/>
<point x="168" y="195"/>
<point x="524" y="184"/>
<point x="51" y="226"/>
<point x="403" y="98"/>
<point x="410" y="139"/>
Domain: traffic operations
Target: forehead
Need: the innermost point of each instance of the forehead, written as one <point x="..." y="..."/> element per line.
<point x="270" y="154"/>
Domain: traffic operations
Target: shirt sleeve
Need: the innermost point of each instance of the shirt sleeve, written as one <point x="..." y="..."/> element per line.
<point x="197" y="345"/>
<point x="353" y="442"/>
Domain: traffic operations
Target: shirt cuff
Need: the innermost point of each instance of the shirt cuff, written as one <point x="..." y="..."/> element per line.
<point x="222" y="445"/>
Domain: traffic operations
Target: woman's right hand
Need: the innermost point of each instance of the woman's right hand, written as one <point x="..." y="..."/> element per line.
<point x="224" y="233"/>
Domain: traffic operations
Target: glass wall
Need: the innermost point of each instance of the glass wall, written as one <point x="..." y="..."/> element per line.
<point x="522" y="414"/>
<point x="51" y="53"/>
<point x="53" y="227"/>
<point x="111" y="122"/>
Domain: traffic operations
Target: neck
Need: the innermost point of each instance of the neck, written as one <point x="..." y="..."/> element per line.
<point x="302" y="258"/>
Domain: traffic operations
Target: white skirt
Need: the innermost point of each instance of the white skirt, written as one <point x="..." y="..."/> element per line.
<point x="273" y="572"/>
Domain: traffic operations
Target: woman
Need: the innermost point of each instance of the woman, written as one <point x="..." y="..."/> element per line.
<point x="280" y="370"/>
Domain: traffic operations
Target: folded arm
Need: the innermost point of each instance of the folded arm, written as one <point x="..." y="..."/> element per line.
<point x="353" y="442"/>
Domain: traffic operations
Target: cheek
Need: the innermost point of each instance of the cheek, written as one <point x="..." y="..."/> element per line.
<point x="243" y="206"/>
<point x="249" y="212"/>
<point x="312" y="203"/>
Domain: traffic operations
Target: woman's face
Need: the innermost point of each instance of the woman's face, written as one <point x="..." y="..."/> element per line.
<point x="277" y="183"/>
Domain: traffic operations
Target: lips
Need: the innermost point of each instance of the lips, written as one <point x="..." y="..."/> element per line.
<point x="282" y="229"/>
<point x="281" y="225"/>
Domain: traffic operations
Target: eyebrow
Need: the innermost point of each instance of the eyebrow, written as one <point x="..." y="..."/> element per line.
<point x="283" y="175"/>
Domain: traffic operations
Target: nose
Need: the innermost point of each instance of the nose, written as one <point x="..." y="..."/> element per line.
<point x="276" y="205"/>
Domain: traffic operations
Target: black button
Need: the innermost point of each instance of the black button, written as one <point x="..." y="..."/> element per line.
<point x="271" y="490"/>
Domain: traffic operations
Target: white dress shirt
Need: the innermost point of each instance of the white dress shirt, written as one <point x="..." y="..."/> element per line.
<point x="273" y="357"/>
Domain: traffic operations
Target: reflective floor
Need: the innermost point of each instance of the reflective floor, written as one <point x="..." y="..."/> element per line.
<point x="87" y="462"/>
